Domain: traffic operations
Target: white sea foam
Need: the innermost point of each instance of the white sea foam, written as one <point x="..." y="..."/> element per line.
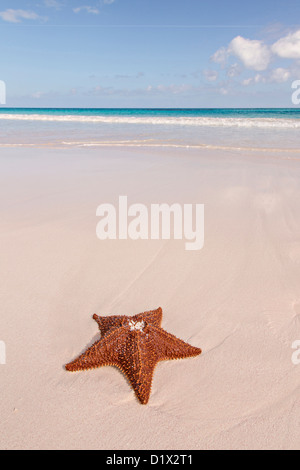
<point x="198" y="121"/>
<point x="292" y="152"/>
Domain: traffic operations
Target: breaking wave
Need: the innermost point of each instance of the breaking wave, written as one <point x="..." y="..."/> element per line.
<point x="195" y="121"/>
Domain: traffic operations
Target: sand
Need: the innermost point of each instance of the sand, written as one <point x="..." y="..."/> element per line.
<point x="238" y="299"/>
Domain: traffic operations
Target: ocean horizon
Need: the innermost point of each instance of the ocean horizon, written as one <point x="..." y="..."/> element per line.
<point x="249" y="111"/>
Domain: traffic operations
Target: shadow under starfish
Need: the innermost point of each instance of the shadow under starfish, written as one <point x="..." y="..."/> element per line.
<point x="135" y="345"/>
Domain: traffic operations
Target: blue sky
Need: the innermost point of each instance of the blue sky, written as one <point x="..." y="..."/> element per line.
<point x="149" y="53"/>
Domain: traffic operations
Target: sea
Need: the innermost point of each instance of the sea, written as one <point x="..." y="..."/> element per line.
<point x="231" y="128"/>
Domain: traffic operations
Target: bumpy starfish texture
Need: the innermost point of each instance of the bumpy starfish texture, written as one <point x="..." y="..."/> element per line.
<point x="135" y="345"/>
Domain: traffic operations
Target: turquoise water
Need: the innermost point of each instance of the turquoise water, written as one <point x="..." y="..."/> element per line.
<point x="222" y="128"/>
<point x="282" y="113"/>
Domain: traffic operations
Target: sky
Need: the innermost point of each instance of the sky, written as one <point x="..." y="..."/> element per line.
<point x="149" y="53"/>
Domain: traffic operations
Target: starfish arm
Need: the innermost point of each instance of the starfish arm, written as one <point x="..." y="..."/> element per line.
<point x="102" y="353"/>
<point x="170" y="347"/>
<point x="143" y="383"/>
<point x="153" y="317"/>
<point x="107" y="323"/>
<point x="138" y="364"/>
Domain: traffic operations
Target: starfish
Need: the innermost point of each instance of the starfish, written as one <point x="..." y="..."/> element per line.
<point x="135" y="345"/>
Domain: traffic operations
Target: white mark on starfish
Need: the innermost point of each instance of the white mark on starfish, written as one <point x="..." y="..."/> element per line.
<point x="136" y="326"/>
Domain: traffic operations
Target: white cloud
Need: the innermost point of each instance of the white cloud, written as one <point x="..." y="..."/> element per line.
<point x="257" y="56"/>
<point x="210" y="75"/>
<point x="221" y="56"/>
<point x="253" y="54"/>
<point x="173" y="88"/>
<point x="247" y="81"/>
<point x="224" y="91"/>
<point x="16" y="16"/>
<point x="234" y="70"/>
<point x="288" y="47"/>
<point x="53" y="4"/>
<point x="88" y="9"/>
<point x="37" y="95"/>
<point x="280" y="75"/>
<point x="257" y="79"/>
<point x="108" y="2"/>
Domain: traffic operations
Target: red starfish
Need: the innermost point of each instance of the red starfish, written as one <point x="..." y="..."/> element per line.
<point x="135" y="345"/>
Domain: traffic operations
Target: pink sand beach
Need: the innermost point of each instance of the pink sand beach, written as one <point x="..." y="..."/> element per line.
<point x="238" y="299"/>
